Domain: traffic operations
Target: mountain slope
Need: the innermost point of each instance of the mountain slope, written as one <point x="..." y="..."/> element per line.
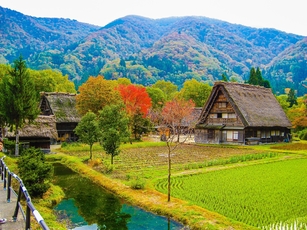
<point x="175" y="49"/>
<point x="289" y="68"/>
<point x="21" y="34"/>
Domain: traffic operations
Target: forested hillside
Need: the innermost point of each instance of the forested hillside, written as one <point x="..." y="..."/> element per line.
<point x="146" y="50"/>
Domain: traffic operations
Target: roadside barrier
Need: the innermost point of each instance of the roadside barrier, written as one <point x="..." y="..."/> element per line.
<point x="6" y="177"/>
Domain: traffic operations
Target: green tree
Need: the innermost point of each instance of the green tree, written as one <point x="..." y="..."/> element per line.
<point x="114" y="124"/>
<point x="34" y="171"/>
<point x="19" y="98"/>
<point x="292" y="99"/>
<point x="224" y="77"/>
<point x="88" y="130"/>
<point x="139" y="125"/>
<point x="197" y="91"/>
<point x="167" y="87"/>
<point x="255" y="78"/>
<point x="157" y="96"/>
<point x="51" y="81"/>
<point x="3" y="72"/>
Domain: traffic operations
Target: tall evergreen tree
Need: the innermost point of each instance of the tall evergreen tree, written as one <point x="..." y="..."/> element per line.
<point x="224" y="77"/>
<point x="255" y="78"/>
<point x="292" y="99"/>
<point x="19" y="98"/>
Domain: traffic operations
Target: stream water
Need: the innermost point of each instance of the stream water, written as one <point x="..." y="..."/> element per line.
<point x="87" y="206"/>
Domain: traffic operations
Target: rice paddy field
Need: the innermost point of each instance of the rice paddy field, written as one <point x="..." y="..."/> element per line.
<point x="262" y="186"/>
<point x="263" y="195"/>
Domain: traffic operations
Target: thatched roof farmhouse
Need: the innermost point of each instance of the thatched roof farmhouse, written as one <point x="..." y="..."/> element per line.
<point x="56" y="122"/>
<point x="242" y="113"/>
<point x="40" y="133"/>
<point x="63" y="107"/>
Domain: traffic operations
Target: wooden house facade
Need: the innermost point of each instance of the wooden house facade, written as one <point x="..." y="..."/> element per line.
<point x="242" y="114"/>
<point x="63" y="107"/>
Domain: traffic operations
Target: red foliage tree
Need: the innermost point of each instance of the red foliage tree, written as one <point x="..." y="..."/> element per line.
<point x="135" y="98"/>
<point x="177" y="114"/>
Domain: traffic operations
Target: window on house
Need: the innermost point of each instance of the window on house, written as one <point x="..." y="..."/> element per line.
<point x="222" y="104"/>
<point x="210" y="133"/>
<point x="258" y="133"/>
<point x="273" y="133"/>
<point x="224" y="115"/>
<point x="277" y="133"/>
<point x="268" y="134"/>
<point x="263" y="134"/>
<point x="232" y="115"/>
<point x="229" y="136"/>
<point x="219" y="115"/>
<point x="235" y="135"/>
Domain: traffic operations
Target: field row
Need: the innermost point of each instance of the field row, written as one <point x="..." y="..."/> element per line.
<point x="259" y="195"/>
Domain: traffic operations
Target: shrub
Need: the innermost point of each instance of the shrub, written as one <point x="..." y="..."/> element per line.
<point x="137" y="183"/>
<point x="34" y="171"/>
<point x="303" y="134"/>
<point x="9" y="146"/>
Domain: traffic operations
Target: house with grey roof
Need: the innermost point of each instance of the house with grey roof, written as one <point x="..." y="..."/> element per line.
<point x="242" y="114"/>
<point x="63" y="107"/>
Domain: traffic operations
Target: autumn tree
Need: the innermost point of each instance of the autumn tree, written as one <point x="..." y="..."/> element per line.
<point x="177" y="115"/>
<point x="95" y="94"/>
<point x="197" y="91"/>
<point x="19" y="99"/>
<point x="137" y="104"/>
<point x="88" y="130"/>
<point x="297" y="114"/>
<point x="113" y="123"/>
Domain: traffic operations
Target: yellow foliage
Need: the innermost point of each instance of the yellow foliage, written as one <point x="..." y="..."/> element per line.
<point x="96" y="93"/>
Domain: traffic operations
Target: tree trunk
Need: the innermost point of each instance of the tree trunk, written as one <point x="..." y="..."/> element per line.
<point x="17" y="142"/>
<point x="91" y="146"/>
<point x="111" y="159"/>
<point x="169" y="175"/>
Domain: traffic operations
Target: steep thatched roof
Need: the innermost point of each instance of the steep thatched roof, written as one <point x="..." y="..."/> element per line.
<point x="43" y="126"/>
<point x="255" y="105"/>
<point x="61" y="105"/>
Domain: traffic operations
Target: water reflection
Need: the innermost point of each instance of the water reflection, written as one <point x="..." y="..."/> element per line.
<point x="88" y="206"/>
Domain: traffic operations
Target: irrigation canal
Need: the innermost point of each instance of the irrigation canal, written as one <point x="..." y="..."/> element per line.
<point x="88" y="206"/>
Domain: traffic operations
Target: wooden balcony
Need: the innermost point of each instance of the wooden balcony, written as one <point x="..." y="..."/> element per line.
<point x="223" y="121"/>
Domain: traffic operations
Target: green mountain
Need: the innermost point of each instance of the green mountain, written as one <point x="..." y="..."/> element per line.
<point x="146" y="50"/>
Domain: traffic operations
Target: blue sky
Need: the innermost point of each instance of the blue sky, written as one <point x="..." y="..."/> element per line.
<point x="284" y="15"/>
